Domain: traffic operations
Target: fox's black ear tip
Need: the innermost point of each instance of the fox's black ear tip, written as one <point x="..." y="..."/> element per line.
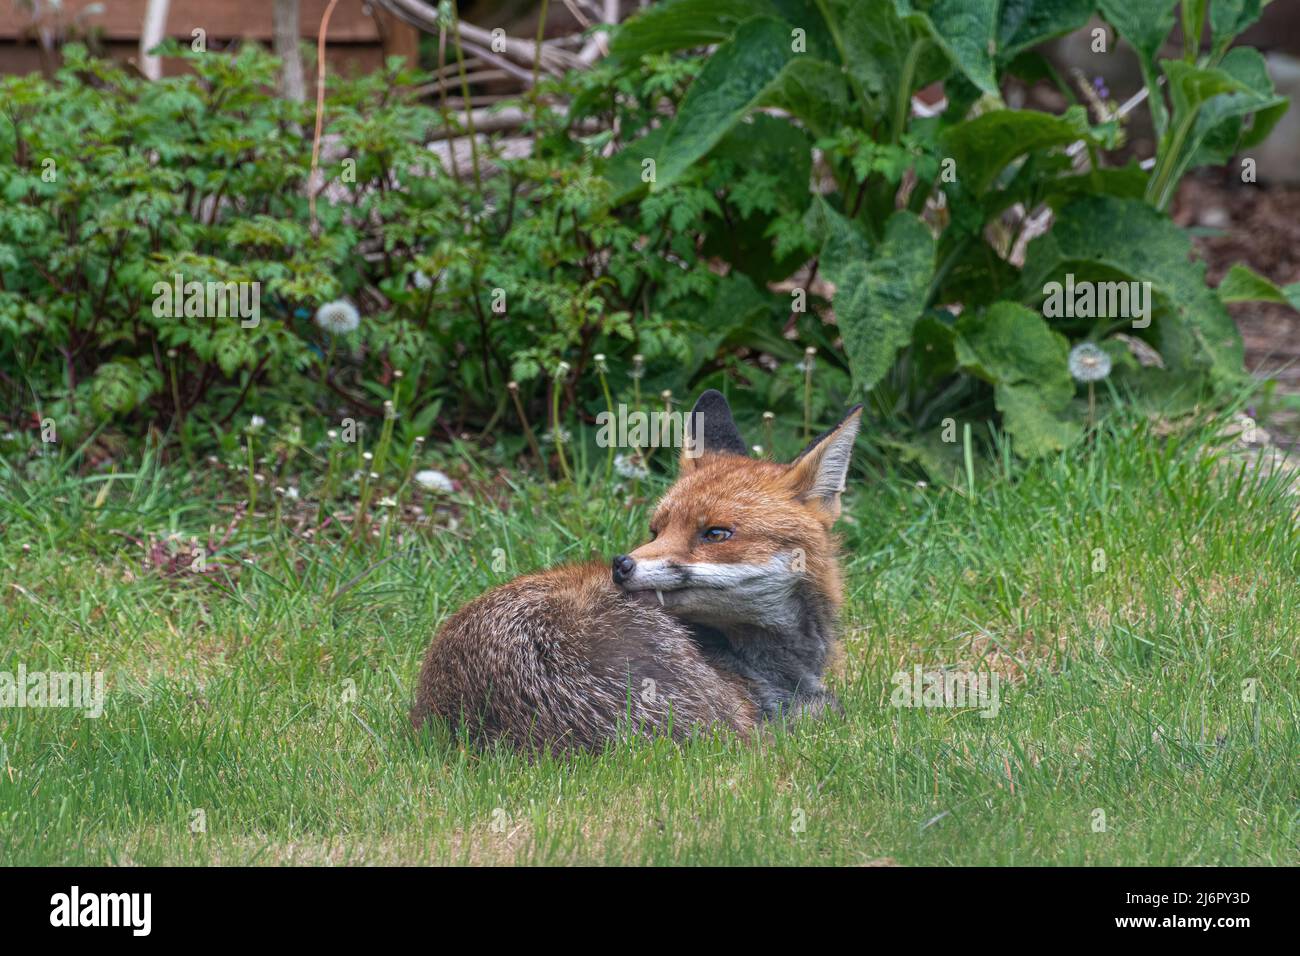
<point x="711" y="397"/>
<point x="717" y="427"/>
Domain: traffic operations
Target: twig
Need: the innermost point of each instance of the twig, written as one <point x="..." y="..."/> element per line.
<point x="320" y="112"/>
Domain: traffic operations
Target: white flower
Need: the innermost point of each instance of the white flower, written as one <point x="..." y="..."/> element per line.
<point x="1088" y="363"/>
<point x="421" y="280"/>
<point x="432" y="480"/>
<point x="630" y="466"/>
<point x="339" y="317"/>
<point x="255" y="423"/>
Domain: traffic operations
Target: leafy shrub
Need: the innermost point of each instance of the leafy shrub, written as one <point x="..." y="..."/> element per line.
<point x="912" y="229"/>
<point x="791" y="142"/>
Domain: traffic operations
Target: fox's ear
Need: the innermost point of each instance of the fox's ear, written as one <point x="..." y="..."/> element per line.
<point x="710" y="430"/>
<point x="817" y="475"/>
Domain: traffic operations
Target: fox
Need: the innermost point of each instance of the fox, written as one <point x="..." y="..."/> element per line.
<point x="726" y="618"/>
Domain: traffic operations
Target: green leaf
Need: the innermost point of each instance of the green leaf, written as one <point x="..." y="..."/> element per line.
<point x="1190" y="86"/>
<point x="983" y="146"/>
<point x="1243" y="284"/>
<point x="1209" y="104"/>
<point x="1013" y="348"/>
<point x="879" y="41"/>
<point x="1218" y="132"/>
<point x="1036" y="427"/>
<point x="879" y="294"/>
<point x="1026" y="23"/>
<point x="1110" y="236"/>
<point x="681" y="24"/>
<point x="1229" y="17"/>
<point x="1144" y="23"/>
<point x="735" y="79"/>
<point x="967" y="30"/>
<point x="623" y="170"/>
<point x="816" y="92"/>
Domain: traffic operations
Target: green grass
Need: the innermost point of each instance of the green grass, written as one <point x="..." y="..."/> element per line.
<point x="1121" y="690"/>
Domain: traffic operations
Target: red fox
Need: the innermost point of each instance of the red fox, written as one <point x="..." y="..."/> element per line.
<point x="726" y="617"/>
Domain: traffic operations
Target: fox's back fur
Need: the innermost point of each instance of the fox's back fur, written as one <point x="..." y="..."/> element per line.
<point x="726" y="617"/>
<point x="559" y="660"/>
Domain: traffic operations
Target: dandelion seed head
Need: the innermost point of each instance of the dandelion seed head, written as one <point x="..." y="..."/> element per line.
<point x="338" y="317"/>
<point x="1088" y="363"/>
<point x="630" y="466"/>
<point x="432" y="480"/>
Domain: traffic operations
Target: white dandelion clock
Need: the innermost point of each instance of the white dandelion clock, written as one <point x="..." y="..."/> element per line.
<point x="630" y="466"/>
<point x="1088" y="363"/>
<point x="432" y="480"/>
<point x="338" y="317"/>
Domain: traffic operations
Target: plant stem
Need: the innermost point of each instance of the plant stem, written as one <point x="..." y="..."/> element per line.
<point x="537" y="67"/>
<point x="609" y="406"/>
<point x="556" y="433"/>
<point x="464" y="92"/>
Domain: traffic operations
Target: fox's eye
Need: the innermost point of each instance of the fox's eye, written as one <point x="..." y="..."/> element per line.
<point x="716" y="534"/>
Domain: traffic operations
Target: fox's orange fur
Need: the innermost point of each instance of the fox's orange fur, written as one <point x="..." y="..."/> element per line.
<point x="726" y="617"/>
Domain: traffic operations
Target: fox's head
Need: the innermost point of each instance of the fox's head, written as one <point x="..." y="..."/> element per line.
<point x="737" y="539"/>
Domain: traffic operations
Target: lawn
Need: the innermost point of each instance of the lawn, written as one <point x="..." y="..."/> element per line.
<point x="1137" y="598"/>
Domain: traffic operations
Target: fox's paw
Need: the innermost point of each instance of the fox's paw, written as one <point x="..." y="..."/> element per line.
<point x="818" y="705"/>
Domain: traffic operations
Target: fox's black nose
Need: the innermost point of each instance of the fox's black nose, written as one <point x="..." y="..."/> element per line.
<point x="624" y="565"/>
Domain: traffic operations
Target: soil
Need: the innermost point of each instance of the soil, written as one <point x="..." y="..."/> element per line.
<point x="1258" y="226"/>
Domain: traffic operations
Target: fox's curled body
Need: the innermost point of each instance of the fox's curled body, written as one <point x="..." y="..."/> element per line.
<point x="725" y="618"/>
<point x="562" y="659"/>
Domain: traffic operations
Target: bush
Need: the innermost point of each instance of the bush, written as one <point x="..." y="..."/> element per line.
<point x="915" y="228"/>
<point x="665" y="215"/>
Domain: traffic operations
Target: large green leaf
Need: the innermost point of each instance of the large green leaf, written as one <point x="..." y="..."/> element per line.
<point x="1013" y="348"/>
<point x="880" y="293"/>
<point x="982" y="147"/>
<point x="1026" y="23"/>
<point x="736" y="79"/>
<point x="682" y="24"/>
<point x="1113" y="236"/>
<point x="967" y="31"/>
